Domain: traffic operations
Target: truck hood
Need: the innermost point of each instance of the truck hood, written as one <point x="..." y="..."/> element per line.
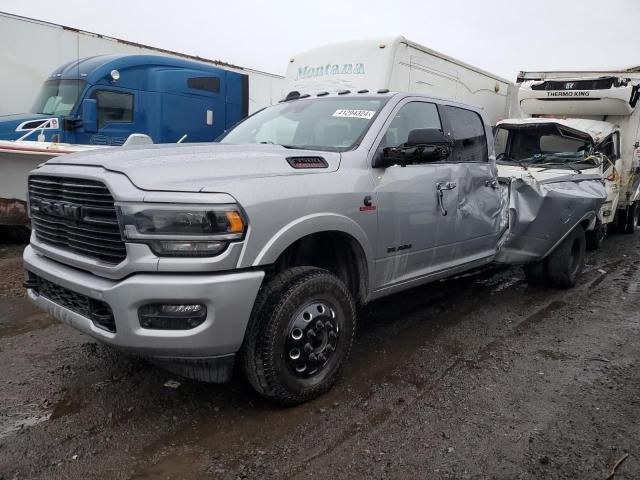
<point x="9" y="123"/>
<point x="540" y="174"/>
<point x="596" y="129"/>
<point x="198" y="167"/>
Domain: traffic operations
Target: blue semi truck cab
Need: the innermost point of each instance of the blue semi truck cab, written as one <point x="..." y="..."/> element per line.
<point x="101" y="100"/>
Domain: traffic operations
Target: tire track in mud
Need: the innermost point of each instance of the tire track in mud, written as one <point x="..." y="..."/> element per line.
<point x="383" y="417"/>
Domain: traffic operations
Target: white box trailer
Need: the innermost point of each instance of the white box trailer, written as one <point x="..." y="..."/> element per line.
<point x="587" y="121"/>
<point x="31" y="49"/>
<point x="398" y="64"/>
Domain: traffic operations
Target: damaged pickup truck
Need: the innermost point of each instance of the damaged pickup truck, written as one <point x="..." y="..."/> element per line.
<point x="261" y="248"/>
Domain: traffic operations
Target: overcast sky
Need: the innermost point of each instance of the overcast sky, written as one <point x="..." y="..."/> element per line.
<point x="500" y="36"/>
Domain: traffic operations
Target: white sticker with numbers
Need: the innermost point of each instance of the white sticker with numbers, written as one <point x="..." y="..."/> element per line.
<point x="366" y="114"/>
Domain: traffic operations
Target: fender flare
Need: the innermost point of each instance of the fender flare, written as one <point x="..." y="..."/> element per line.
<point x="308" y="225"/>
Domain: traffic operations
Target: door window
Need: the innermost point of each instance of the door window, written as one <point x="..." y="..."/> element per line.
<point x="113" y="107"/>
<point x="610" y="146"/>
<point x="411" y="116"/>
<point x="500" y="141"/>
<point x="469" y="135"/>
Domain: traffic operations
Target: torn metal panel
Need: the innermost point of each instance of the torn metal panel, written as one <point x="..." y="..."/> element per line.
<point x="542" y="213"/>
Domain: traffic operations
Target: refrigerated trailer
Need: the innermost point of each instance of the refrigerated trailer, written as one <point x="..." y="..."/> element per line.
<point x="580" y="121"/>
<point x="398" y="64"/>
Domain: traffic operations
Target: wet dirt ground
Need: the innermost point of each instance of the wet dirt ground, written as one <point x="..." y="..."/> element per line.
<point x="480" y="377"/>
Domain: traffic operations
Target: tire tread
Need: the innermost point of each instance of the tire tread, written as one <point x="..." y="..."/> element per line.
<point x="257" y="357"/>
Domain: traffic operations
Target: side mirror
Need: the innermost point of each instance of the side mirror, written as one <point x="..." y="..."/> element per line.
<point x="90" y="115"/>
<point x="423" y="145"/>
<point x="427" y="136"/>
<point x="383" y="159"/>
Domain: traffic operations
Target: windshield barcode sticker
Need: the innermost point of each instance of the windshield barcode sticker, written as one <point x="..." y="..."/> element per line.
<point x="366" y="114"/>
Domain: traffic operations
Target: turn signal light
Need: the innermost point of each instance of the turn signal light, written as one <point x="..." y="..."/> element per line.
<point x="236" y="223"/>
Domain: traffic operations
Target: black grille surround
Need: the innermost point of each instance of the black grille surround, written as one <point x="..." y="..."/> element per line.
<point x="97" y="311"/>
<point x="77" y="215"/>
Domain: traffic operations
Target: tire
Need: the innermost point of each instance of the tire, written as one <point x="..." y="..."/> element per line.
<point x="595" y="237"/>
<point x="535" y="274"/>
<point x="633" y="215"/>
<point x="621" y="219"/>
<point x="299" y="336"/>
<point x="567" y="260"/>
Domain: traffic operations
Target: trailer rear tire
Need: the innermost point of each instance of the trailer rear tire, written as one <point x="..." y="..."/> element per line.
<point x="621" y="220"/>
<point x="595" y="237"/>
<point x="567" y="260"/>
<point x="299" y="335"/>
<point x="633" y="216"/>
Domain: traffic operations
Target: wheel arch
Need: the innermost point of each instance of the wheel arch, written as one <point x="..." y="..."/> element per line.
<point x="326" y="241"/>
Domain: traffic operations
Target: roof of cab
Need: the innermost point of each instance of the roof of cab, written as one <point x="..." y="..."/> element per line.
<point x="596" y="129"/>
<point x="97" y="67"/>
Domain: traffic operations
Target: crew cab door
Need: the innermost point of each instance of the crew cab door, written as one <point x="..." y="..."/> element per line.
<point x="479" y="204"/>
<point x="436" y="215"/>
<point x="414" y="234"/>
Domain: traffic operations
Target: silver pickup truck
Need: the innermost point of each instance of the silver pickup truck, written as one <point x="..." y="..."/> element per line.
<point x="261" y="247"/>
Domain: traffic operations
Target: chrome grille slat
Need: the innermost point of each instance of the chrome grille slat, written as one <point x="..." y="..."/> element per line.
<point x="74" y="191"/>
<point x="94" y="233"/>
<point x="99" y="232"/>
<point x="110" y="244"/>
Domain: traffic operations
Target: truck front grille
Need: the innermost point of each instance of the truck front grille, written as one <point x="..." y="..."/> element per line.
<point x="97" y="311"/>
<point x="77" y="215"/>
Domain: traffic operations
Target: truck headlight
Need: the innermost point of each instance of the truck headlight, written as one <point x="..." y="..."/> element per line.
<point x="182" y="230"/>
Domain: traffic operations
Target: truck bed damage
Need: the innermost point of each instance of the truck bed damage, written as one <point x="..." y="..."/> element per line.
<point x="541" y="213"/>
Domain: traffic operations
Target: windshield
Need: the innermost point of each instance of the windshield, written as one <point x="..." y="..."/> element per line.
<point x="334" y="124"/>
<point x="58" y="97"/>
<point x="540" y="146"/>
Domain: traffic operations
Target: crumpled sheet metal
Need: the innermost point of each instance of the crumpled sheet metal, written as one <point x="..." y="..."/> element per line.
<point x="542" y="213"/>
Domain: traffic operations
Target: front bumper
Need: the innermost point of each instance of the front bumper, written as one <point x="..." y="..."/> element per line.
<point x="229" y="299"/>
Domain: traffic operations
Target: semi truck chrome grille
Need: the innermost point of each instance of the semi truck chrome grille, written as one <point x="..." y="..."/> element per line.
<point x="97" y="311"/>
<point x="77" y="215"/>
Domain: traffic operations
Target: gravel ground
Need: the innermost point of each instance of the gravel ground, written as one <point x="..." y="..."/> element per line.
<point x="480" y="377"/>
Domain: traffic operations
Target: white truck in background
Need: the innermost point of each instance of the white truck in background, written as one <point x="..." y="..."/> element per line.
<point x="397" y="64"/>
<point x="579" y="122"/>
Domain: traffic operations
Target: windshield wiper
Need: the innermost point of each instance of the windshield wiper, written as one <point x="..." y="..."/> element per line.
<point x="274" y="143"/>
<point x="567" y="164"/>
<point x="503" y="159"/>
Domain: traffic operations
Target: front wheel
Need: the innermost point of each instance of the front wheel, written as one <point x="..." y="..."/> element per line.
<point x="299" y="335"/>
<point x="536" y="274"/>
<point x="567" y="260"/>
